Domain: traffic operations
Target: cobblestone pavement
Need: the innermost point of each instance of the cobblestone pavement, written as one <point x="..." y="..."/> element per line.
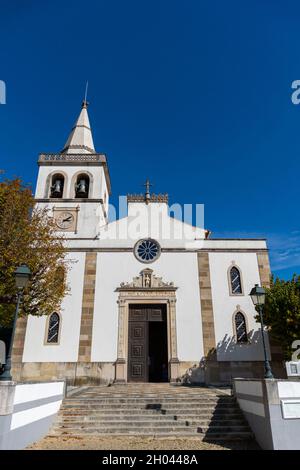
<point x="136" y="443"/>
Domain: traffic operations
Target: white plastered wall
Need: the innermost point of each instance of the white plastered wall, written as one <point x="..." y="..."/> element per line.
<point x="224" y="306"/>
<point x="67" y="350"/>
<point x="90" y="214"/>
<point x="114" y="268"/>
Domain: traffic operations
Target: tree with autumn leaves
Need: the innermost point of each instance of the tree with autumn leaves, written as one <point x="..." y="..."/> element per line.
<point x="27" y="236"/>
<point x="282" y="312"/>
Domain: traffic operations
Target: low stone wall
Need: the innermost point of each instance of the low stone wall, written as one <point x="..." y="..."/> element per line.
<point x="272" y="409"/>
<point x="75" y="373"/>
<point x="212" y="372"/>
<point x="27" y="411"/>
<point x="223" y="372"/>
<point x="102" y="373"/>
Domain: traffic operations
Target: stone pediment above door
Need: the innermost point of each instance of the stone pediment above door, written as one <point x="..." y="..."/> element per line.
<point x="147" y="281"/>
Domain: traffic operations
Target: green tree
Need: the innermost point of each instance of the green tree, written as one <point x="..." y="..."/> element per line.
<point x="282" y="312"/>
<point x="27" y="235"/>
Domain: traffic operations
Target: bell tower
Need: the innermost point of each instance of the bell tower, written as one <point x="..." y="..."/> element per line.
<point x="75" y="184"/>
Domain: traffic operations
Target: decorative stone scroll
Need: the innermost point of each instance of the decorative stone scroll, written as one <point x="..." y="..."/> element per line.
<point x="146" y="280"/>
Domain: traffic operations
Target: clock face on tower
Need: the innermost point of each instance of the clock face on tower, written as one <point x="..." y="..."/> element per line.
<point x="64" y="220"/>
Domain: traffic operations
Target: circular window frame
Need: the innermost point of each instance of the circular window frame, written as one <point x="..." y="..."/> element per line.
<point x="137" y="256"/>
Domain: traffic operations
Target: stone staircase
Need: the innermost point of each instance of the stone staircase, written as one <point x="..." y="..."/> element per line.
<point x="151" y="410"/>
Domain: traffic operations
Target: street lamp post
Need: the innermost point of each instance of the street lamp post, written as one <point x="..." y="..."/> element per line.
<point x="22" y="276"/>
<point x="258" y="296"/>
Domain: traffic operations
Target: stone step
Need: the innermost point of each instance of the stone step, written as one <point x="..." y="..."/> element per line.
<point x="155" y="425"/>
<point x="150" y="420"/>
<point x="123" y="430"/>
<point x="136" y="388"/>
<point x="150" y="404"/>
<point x="182" y="414"/>
<point x="138" y="398"/>
<point x="151" y="410"/>
<point x="246" y="436"/>
<point x="224" y="434"/>
<point x="158" y="410"/>
<point x="156" y="394"/>
<point x="148" y="389"/>
<point x="153" y="398"/>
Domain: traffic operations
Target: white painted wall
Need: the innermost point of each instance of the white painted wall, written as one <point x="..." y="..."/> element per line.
<point x="180" y="268"/>
<point x="288" y="389"/>
<point x="35" y="407"/>
<point x="249" y="387"/>
<point x="224" y="305"/>
<point x="152" y="221"/>
<point x="90" y="215"/>
<point x="67" y="350"/>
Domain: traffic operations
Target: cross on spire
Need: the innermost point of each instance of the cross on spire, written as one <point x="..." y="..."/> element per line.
<point x="85" y="102"/>
<point x="147" y="185"/>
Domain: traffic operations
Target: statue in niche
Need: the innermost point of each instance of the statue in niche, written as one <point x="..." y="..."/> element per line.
<point x="147" y="280"/>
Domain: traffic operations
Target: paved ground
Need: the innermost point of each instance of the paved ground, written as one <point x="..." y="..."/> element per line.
<point x="136" y="443"/>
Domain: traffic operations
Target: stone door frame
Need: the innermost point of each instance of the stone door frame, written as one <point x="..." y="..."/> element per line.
<point x="154" y="293"/>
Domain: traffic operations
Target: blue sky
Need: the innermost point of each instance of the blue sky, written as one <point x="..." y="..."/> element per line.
<point x="195" y="95"/>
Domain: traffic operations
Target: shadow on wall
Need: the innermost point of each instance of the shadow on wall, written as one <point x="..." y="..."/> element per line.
<point x="195" y="375"/>
<point x="234" y="359"/>
<point x="228" y="348"/>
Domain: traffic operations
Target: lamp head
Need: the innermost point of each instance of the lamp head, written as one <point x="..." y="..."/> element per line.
<point x="258" y="295"/>
<point x="22" y="276"/>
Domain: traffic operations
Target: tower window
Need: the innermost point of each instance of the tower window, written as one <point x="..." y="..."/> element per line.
<point x="82" y="186"/>
<point x="57" y="186"/>
<point x="53" y="328"/>
<point x="240" y="328"/>
<point x="235" y="281"/>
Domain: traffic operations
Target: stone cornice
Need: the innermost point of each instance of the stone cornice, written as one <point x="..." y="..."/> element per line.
<point x="74" y="158"/>
<point x="166" y="250"/>
<point x="79" y="200"/>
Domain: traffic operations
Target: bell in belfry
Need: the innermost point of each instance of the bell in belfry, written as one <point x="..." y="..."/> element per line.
<point x="56" y="188"/>
<point x="81" y="188"/>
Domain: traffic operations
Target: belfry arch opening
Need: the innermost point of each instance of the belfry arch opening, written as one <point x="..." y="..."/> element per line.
<point x="57" y="186"/>
<point x="82" y="186"/>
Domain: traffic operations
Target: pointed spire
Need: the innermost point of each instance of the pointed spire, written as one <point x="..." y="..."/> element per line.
<point x="80" y="139"/>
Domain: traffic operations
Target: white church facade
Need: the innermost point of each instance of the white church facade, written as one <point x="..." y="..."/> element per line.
<point x="148" y="301"/>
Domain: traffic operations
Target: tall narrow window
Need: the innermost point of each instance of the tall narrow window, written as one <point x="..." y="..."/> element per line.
<point x="53" y="328"/>
<point x="241" y="328"/>
<point x="235" y="281"/>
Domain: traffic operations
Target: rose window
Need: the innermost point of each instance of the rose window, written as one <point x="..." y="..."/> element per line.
<point x="147" y="250"/>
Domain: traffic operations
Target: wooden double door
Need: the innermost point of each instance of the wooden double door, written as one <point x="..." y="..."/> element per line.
<point x="147" y="343"/>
